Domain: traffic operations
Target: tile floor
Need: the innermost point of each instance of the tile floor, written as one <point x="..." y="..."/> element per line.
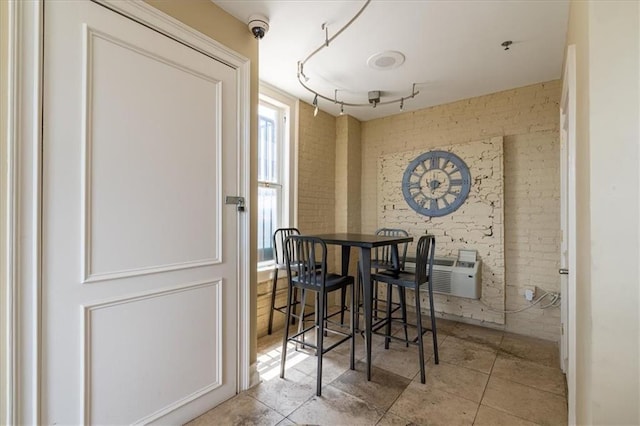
<point x="485" y="377"/>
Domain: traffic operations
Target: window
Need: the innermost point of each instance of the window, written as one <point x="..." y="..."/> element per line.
<point x="274" y="189"/>
<point x="269" y="178"/>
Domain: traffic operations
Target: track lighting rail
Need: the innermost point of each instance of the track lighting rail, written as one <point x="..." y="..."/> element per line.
<point x="302" y="78"/>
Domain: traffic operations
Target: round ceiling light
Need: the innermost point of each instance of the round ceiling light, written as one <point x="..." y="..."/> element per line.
<point x="387" y="60"/>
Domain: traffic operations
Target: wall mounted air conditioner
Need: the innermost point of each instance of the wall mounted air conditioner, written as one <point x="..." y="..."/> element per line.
<point x="460" y="277"/>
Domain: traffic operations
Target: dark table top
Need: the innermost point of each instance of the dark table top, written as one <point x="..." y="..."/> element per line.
<point x="362" y="240"/>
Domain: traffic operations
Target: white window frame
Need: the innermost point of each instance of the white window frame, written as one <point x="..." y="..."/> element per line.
<point x="289" y="139"/>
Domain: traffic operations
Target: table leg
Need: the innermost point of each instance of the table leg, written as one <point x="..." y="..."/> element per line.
<point x="365" y="264"/>
<point x="395" y="256"/>
<point x="346" y="251"/>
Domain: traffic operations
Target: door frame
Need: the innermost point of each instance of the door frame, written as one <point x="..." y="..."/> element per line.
<point x="568" y="221"/>
<point x="21" y="213"/>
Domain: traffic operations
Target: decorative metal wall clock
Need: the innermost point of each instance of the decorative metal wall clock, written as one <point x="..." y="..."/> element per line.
<point x="436" y="183"/>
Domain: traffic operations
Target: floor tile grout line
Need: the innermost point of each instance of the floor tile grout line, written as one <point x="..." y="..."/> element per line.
<point x="510" y="355"/>
<point x="487" y="384"/>
<point x="300" y="406"/>
<point x="497" y="408"/>
<point x="524" y="384"/>
<point x="395" y="400"/>
<point x="478" y="346"/>
<point x="463" y="397"/>
<point x="443" y="390"/>
<point x="263" y="403"/>
<point x="275" y="409"/>
<point x="532" y="387"/>
<point x="511" y="414"/>
<point x="245" y="393"/>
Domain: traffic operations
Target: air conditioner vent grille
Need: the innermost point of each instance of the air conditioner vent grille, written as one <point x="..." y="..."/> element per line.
<point x="442" y="281"/>
<point x="455" y="278"/>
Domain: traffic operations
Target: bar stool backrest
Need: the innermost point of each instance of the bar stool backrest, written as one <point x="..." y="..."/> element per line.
<point x="279" y="236"/>
<point x="383" y="255"/>
<point x="306" y="260"/>
<point x="425" y="253"/>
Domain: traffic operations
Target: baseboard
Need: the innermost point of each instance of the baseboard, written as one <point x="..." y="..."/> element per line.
<point x="254" y="375"/>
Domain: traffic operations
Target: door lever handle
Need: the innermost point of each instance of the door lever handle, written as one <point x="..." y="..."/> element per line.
<point x="563" y="271"/>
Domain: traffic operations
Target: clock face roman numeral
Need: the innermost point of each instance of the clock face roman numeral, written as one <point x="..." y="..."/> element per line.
<point x="434" y="163"/>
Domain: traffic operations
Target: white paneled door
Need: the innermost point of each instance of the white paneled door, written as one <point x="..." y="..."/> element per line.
<point x="139" y="273"/>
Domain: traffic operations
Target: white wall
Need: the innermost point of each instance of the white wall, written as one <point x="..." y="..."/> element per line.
<point x="607" y="38"/>
<point x="614" y="139"/>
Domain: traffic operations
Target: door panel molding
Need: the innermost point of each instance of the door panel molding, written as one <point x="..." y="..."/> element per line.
<point x="90" y="275"/>
<point x="90" y="310"/>
<point x="23" y="217"/>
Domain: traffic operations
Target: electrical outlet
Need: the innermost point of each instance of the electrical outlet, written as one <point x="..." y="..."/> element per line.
<point x="530" y="293"/>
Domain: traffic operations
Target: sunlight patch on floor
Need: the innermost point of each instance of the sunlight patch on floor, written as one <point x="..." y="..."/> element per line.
<point x="269" y="362"/>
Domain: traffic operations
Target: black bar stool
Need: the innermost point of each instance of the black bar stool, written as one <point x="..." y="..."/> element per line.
<point x="425" y="253"/>
<point x="279" y="236"/>
<point x="306" y="261"/>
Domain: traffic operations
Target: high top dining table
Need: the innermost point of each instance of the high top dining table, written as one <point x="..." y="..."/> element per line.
<point x="365" y="242"/>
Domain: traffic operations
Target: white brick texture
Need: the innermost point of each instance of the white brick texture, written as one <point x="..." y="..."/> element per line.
<point x="477" y="224"/>
<point x="532" y="229"/>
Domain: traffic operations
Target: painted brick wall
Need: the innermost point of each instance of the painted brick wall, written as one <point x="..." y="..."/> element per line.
<point x="527" y="119"/>
<point x="532" y="229"/>
<point x="348" y="173"/>
<point x="316" y="171"/>
<point x="478" y="224"/>
<point x="316" y="196"/>
<point x="348" y="185"/>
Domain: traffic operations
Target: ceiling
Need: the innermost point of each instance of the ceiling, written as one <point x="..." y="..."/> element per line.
<point x="452" y="48"/>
